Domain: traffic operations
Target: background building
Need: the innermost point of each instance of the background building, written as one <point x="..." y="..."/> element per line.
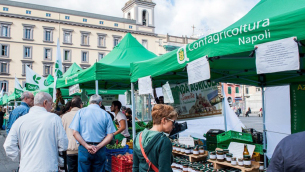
<point x="29" y="33"/>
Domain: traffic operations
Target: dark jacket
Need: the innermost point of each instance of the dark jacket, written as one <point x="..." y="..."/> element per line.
<point x="158" y="150"/>
<point x="288" y="155"/>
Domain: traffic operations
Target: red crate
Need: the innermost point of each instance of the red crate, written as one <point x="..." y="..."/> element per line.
<point x="119" y="165"/>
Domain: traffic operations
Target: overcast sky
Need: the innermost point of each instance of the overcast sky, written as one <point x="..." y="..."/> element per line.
<point x="175" y="17"/>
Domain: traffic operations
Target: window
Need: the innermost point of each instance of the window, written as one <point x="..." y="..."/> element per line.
<point x="100" y="56"/>
<point x="47" y="54"/>
<point x="4" y="50"/>
<point x="84" y="20"/>
<point x="30" y="65"/>
<point x="130" y="27"/>
<point x="160" y="42"/>
<point x="4" y="67"/>
<point x="229" y="90"/>
<point x="101" y="40"/>
<point x="67" y="36"/>
<point x="4" y="85"/>
<point x="258" y="89"/>
<point x="67" y="17"/>
<point x="144" y="43"/>
<point x="48" y="15"/>
<point x="28" y="12"/>
<point x="116" y="25"/>
<point x="116" y="40"/>
<point x="145" y="18"/>
<point x="67" y="55"/>
<point x="5" y="9"/>
<point x="85" y="38"/>
<point x="27" y="52"/>
<point x="66" y="68"/>
<point x="47" y="70"/>
<point x="48" y="34"/>
<point x="247" y="90"/>
<point x="28" y="32"/>
<point x="101" y="22"/>
<point x="5" y="29"/>
<point x="85" y="56"/>
<point x="236" y="89"/>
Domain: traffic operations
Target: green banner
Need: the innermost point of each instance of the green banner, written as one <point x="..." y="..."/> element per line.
<point x="297" y="97"/>
<point x="31" y="87"/>
<point x="17" y="91"/>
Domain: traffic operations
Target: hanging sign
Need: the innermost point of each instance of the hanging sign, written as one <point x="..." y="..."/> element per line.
<point x="128" y="97"/>
<point x="167" y="93"/>
<point x="277" y="56"/>
<point x="74" y="89"/>
<point x="145" y="85"/>
<point x="198" y="70"/>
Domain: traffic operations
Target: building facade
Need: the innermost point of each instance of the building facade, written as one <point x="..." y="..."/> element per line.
<point x="29" y="33"/>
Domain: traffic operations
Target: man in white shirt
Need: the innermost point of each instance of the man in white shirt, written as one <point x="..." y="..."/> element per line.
<point x="38" y="136"/>
<point x="120" y="118"/>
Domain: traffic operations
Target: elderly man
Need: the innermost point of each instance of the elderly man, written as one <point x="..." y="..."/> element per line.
<point x="72" y="152"/>
<point x="93" y="129"/>
<point x="38" y="136"/>
<point x="27" y="102"/>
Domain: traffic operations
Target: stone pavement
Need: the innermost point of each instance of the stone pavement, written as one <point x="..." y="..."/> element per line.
<point x="253" y="122"/>
<point x="6" y="164"/>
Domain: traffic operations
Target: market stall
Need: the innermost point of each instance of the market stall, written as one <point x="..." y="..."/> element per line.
<point x="235" y="54"/>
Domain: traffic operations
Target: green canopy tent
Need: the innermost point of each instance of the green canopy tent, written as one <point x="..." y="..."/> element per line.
<point x="111" y="72"/>
<point x="230" y="52"/>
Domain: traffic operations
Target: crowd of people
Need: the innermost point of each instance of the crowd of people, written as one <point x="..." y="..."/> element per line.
<point x="38" y="138"/>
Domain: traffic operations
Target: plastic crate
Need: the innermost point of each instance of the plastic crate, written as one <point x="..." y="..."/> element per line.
<point x="139" y="128"/>
<point x="233" y="136"/>
<point x="108" y="163"/>
<point x="223" y="145"/>
<point x="259" y="148"/>
<point x="117" y="151"/>
<point x="119" y="165"/>
<point x="130" y="151"/>
<point x="211" y="146"/>
<point x="130" y="145"/>
<point x="211" y="135"/>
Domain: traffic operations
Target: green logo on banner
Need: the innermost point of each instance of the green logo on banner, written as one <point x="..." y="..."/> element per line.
<point x="31" y="87"/>
<point x="36" y="79"/>
<point x="46" y="83"/>
<point x="57" y="71"/>
<point x="18" y="91"/>
<point x="181" y="55"/>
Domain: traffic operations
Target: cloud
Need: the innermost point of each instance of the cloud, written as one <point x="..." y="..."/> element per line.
<point x="174" y="17"/>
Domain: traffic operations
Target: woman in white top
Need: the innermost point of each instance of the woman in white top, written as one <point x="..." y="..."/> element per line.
<point x="120" y="118"/>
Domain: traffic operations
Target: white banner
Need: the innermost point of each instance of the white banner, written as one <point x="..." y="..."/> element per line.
<point x="35" y="81"/>
<point x="74" y="89"/>
<point x="198" y="70"/>
<point x="167" y="93"/>
<point x="277" y="56"/>
<point x="58" y="69"/>
<point x="18" y="87"/>
<point x="145" y="85"/>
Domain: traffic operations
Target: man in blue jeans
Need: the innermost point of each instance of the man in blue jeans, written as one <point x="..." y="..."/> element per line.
<point x="93" y="129"/>
<point x="27" y="99"/>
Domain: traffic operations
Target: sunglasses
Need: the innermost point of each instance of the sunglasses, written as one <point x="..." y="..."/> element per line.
<point x="174" y="121"/>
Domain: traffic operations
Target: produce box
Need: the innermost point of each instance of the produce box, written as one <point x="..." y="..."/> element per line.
<point x="122" y="163"/>
<point x="112" y="150"/>
<point x="233" y="136"/>
<point x="211" y="135"/>
<point x="211" y="146"/>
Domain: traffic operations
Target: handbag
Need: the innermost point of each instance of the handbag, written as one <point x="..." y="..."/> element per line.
<point x="150" y="164"/>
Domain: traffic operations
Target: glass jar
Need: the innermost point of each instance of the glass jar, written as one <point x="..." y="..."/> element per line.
<point x="187" y="149"/>
<point x="261" y="166"/>
<point x="185" y="167"/>
<point x="247" y="161"/>
<point x="201" y="150"/>
<point x="182" y="149"/>
<point x="233" y="161"/>
<point x="240" y="162"/>
<point x="178" y="148"/>
<point x="229" y="157"/>
<point x="213" y="155"/>
<point x="225" y="152"/>
<point x="174" y="146"/>
<point x="196" y="150"/>
<point x="192" y="149"/>
<point x="220" y="156"/>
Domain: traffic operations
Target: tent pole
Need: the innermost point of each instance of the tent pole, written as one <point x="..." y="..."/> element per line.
<point x="223" y="109"/>
<point x="149" y="106"/>
<point x="96" y="87"/>
<point x="264" y="126"/>
<point x="133" y="112"/>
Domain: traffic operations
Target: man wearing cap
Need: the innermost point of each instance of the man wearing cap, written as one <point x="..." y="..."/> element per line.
<point x="93" y="129"/>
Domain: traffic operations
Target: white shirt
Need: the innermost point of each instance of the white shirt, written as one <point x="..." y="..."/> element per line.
<point x="38" y="136"/>
<point x="120" y="116"/>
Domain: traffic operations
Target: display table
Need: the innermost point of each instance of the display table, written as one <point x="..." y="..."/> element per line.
<point x="193" y="158"/>
<point x="221" y="165"/>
